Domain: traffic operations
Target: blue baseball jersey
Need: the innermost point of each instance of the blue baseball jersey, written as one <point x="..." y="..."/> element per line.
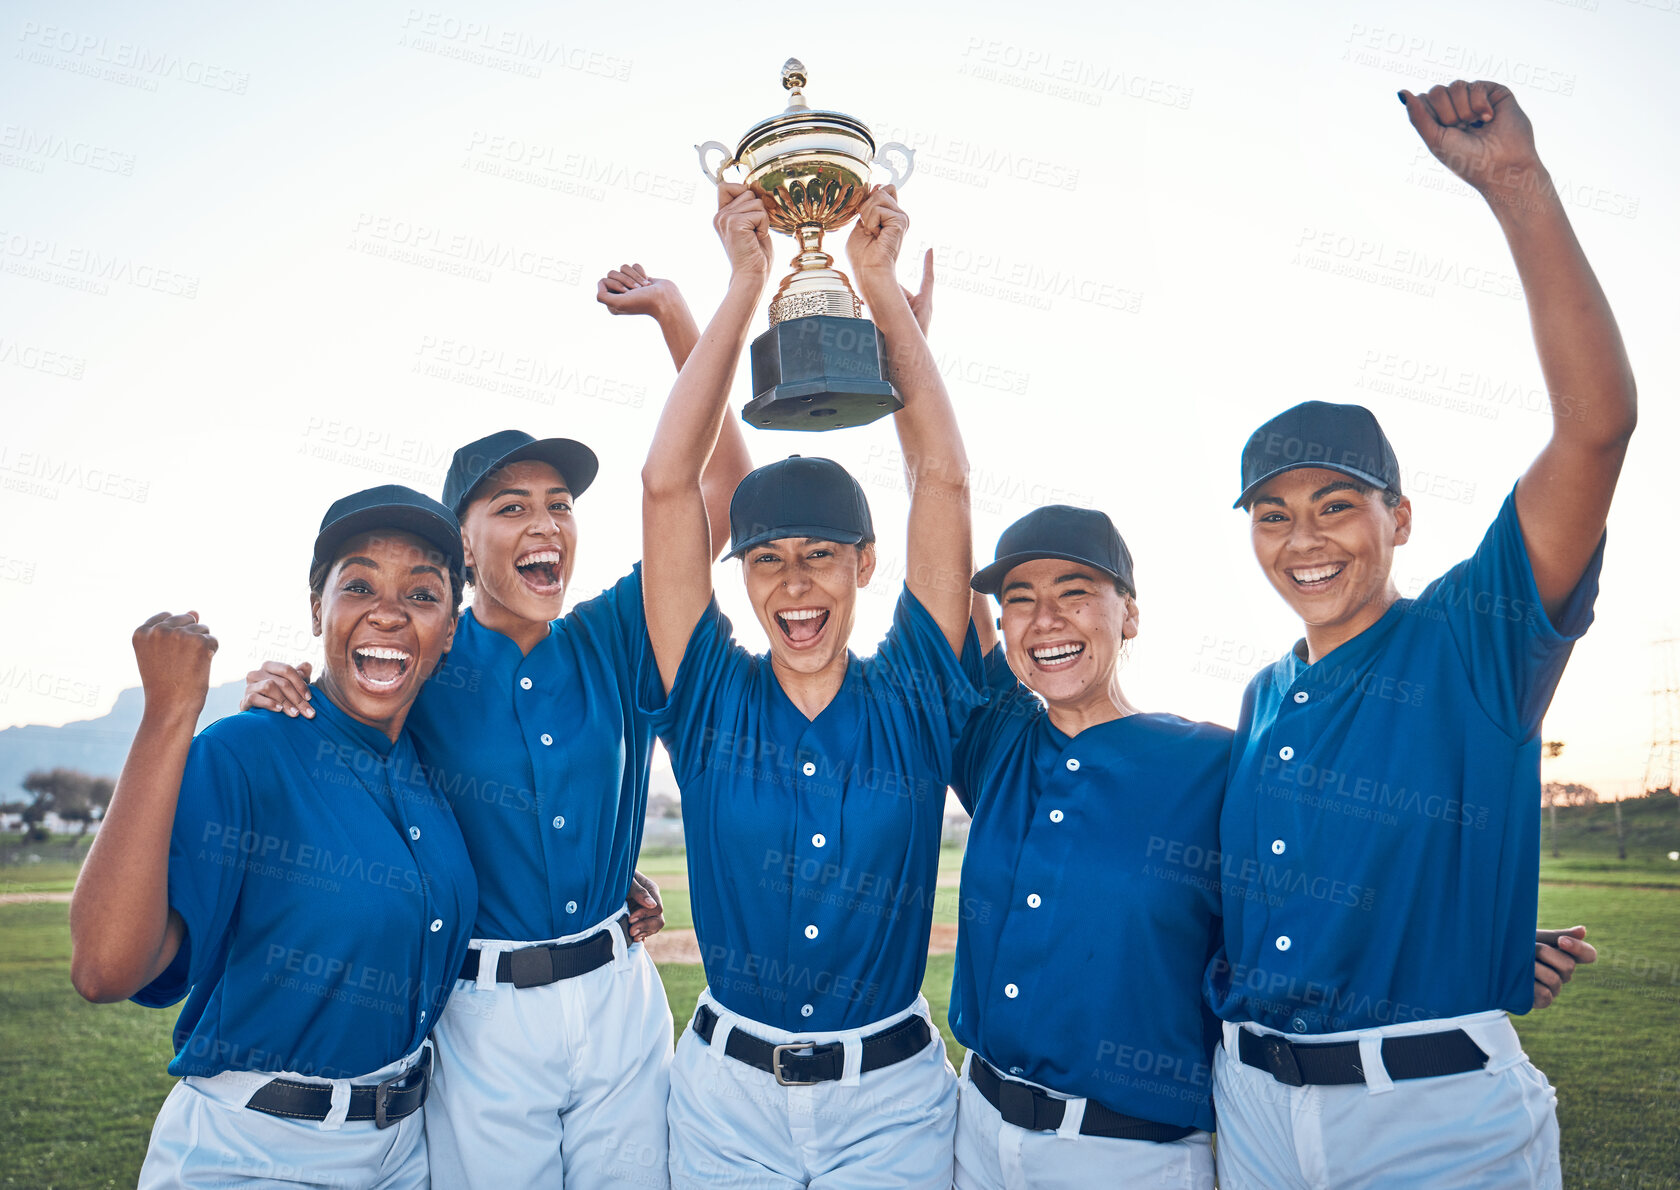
<point x="1381" y="831"/>
<point x="1090" y="902"/>
<point x="813" y="844"/>
<point x="544" y="757"/>
<point x="326" y="893"/>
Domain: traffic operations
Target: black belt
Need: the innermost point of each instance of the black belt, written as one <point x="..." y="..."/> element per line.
<point x="1027" y="1107"/>
<point x="1418" y="1055"/>
<point x="534" y="966"/>
<point x="384" y="1103"/>
<point x="820" y="1063"/>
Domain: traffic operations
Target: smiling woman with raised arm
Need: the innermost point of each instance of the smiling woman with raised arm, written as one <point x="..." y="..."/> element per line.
<point x="1080" y="798"/>
<point x="813" y="782"/>
<point x="297" y="879"/>
<point x="1396" y="747"/>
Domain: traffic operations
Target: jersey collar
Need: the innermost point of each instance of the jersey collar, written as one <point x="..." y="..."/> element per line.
<point x="335" y="720"/>
<point x="471" y="630"/>
<point x="850" y="684"/>
<point x="1350" y="654"/>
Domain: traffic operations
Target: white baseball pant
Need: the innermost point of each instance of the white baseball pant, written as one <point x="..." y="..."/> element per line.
<point x="994" y="1155"/>
<point x="205" y="1136"/>
<point x="561" y="1085"/>
<point x="1490" y="1128"/>
<point x="734" y="1125"/>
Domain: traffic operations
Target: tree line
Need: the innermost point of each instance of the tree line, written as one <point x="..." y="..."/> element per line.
<point x="70" y="793"/>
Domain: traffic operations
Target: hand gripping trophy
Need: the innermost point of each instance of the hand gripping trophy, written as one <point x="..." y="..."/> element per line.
<point x="820" y="366"/>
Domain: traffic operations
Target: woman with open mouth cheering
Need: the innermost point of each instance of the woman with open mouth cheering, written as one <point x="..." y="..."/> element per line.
<point x="297" y="879"/>
<point x="813" y="782"/>
<point x="553" y="1060"/>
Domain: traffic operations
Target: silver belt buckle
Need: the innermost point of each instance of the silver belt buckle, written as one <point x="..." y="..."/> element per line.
<point x="421" y="1072"/>
<point x="776" y="1063"/>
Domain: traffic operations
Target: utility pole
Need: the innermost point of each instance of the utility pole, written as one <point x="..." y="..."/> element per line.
<point x="1664" y="757"/>
<point x="1550" y="749"/>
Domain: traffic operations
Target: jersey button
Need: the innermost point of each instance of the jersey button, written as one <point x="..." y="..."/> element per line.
<point x="1034" y="900"/>
<point x="810" y="931"/>
<point x="1299" y="1025"/>
<point x="414" y="832"/>
<point x="1300" y="696"/>
<point x="1073" y="764"/>
<point x="819" y="840"/>
<point x="1011" y="990"/>
<point x="809" y="769"/>
<point x="1283" y="942"/>
<point x="547" y="739"/>
<point x="437" y="924"/>
<point x="524" y="683"/>
<point x="806" y="1010"/>
<point x="1277" y="847"/>
<point x="559" y="821"/>
<point x="1056" y="816"/>
<point x="422" y="1014"/>
<point x="571" y="906"/>
<point x="1286" y="753"/>
<point x="1017" y="1070"/>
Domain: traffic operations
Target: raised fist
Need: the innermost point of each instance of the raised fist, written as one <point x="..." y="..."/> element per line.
<point x="1477" y="131"/>
<point x="174" y="654"/>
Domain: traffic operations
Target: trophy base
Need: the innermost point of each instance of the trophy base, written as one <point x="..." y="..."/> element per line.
<point x="819" y="373"/>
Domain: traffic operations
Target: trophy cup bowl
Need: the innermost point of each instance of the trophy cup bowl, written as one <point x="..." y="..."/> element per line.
<point x="820" y="366"/>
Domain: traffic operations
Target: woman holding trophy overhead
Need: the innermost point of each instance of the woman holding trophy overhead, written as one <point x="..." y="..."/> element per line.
<point x="813" y="782"/>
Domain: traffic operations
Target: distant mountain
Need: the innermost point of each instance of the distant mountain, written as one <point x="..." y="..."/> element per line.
<point x="98" y="747"/>
<point x="95" y="746"/>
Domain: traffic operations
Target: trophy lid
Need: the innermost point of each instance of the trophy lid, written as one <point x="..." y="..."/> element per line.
<point x="798" y="112"/>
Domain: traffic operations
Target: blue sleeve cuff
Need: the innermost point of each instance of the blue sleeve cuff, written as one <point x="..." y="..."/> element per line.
<point x="998" y="677"/>
<point x="663" y="709"/>
<point x="172" y="983"/>
<point x="1576" y="615"/>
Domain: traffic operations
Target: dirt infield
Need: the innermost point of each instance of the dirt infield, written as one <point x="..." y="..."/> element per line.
<point x="52" y="898"/>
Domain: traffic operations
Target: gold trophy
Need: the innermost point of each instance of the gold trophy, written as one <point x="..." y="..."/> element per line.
<point x="820" y="366"/>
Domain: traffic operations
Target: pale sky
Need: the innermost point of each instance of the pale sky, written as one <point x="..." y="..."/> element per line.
<point x="251" y="261"/>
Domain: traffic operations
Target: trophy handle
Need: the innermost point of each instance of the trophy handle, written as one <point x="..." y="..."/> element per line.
<point x="716" y="175"/>
<point x="898" y="179"/>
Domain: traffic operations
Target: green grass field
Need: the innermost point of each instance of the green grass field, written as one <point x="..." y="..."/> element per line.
<point x="1587" y="839"/>
<point x="80" y="1084"/>
<point x="52" y="876"/>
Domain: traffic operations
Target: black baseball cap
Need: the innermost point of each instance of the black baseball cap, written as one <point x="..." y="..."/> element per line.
<point x="390" y="507"/>
<point x="798" y="497"/>
<point x="575" y="462"/>
<point x="1059" y="531"/>
<point x="1343" y="438"/>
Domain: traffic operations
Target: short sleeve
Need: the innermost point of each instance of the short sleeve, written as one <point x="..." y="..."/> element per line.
<point x="619" y="615"/>
<point x="710" y="681"/>
<point x="1512" y="651"/>
<point x="935" y="687"/>
<point x="208" y="847"/>
<point x="1001" y="697"/>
